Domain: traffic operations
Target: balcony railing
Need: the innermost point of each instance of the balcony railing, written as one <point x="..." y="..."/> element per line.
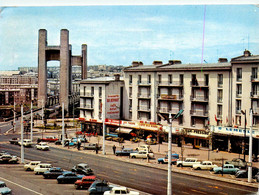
<point x="199" y="84"/>
<point x="220" y="99"/>
<point x="144" y="108"/>
<point x="239" y="95"/>
<point x="170" y="97"/>
<point x="254" y="78"/>
<point x="144" y="95"/>
<point x="168" y="84"/>
<point x="130" y="95"/>
<point x="144" y="83"/>
<point x="238" y="111"/>
<point x="220" y="84"/>
<point x="199" y="113"/>
<point x="87" y="94"/>
<point x="254" y="95"/>
<point x="200" y="98"/>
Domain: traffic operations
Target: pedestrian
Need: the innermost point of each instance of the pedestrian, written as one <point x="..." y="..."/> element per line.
<point x="122" y="147"/>
<point x="96" y="148"/>
<point x="114" y="149"/>
<point x="78" y="144"/>
<point x="217" y="150"/>
<point x="38" y="140"/>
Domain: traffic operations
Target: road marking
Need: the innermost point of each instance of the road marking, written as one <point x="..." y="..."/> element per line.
<point x="216" y="187"/>
<point x="200" y="192"/>
<point x="185" y="192"/>
<point x="20" y="186"/>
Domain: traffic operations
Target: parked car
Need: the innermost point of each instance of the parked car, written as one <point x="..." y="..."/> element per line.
<point x="49" y="139"/>
<point x="92" y="147"/>
<point x="99" y="187"/>
<point x="121" y="190"/>
<point x="227" y="169"/>
<point x="237" y="162"/>
<point x="8" y="158"/>
<point x="85" y="182"/>
<point x="142" y="154"/>
<point x="14" y="141"/>
<point x="69" y="177"/>
<point x="244" y="173"/>
<point x="124" y="152"/>
<point x="42" y="146"/>
<point x="4" y="189"/>
<point x="41" y="168"/>
<point x="188" y="162"/>
<point x="164" y="160"/>
<point x="205" y="165"/>
<point x="53" y="173"/>
<point x="82" y="168"/>
<point x="144" y="148"/>
<point x="59" y="142"/>
<point x="26" y="143"/>
<point x="31" y="165"/>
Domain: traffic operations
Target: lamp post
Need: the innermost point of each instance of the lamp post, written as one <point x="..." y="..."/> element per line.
<point x="250" y="147"/>
<point x="244" y="143"/>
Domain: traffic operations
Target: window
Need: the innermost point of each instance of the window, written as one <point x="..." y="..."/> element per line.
<point x="194" y="80"/>
<point x="181" y="79"/>
<point x="130" y="79"/>
<point x="220" y="80"/>
<point x="149" y="79"/>
<point x="139" y="78"/>
<point x="92" y="90"/>
<point x="159" y="78"/>
<point x="239" y="74"/>
<point x="84" y="90"/>
<point x="206" y="78"/>
<point x="220" y="93"/>
<point x="254" y="73"/>
<point x="170" y="79"/>
<point x="238" y="106"/>
<point x="100" y="92"/>
<point x="239" y="90"/>
<point x="130" y="92"/>
<point x="219" y="111"/>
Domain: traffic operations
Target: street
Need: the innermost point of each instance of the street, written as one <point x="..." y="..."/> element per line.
<point x="142" y="178"/>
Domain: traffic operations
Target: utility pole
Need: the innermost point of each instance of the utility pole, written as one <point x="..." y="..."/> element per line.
<point x="14" y="115"/>
<point x="250" y="148"/>
<point x="31" y="123"/>
<point x="169" y="179"/>
<point x="22" y="147"/>
<point x="63" y="125"/>
<point x="103" y="117"/>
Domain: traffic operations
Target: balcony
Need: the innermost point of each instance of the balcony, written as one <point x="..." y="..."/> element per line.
<point x="199" y="84"/>
<point x="172" y="84"/>
<point x="238" y="95"/>
<point x="144" y="95"/>
<point x="168" y="110"/>
<point x="88" y="95"/>
<point x="130" y="108"/>
<point x="164" y="97"/>
<point x="199" y="113"/>
<point x="144" y="83"/>
<point x="254" y="95"/>
<point x="220" y="84"/>
<point x="130" y="95"/>
<point x="144" y="108"/>
<point x="254" y="78"/>
<point x="87" y="107"/>
<point x="220" y="100"/>
<point x="238" y="111"/>
<point x="199" y="98"/>
<point x="256" y="111"/>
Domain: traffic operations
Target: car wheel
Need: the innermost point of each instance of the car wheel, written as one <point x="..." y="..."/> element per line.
<point x="219" y="172"/>
<point x="133" y="157"/>
<point x="59" y="181"/>
<point x="28" y="169"/>
<point x="179" y="165"/>
<point x="198" y="168"/>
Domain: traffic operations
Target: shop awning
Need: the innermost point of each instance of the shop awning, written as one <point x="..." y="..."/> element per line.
<point x="123" y="130"/>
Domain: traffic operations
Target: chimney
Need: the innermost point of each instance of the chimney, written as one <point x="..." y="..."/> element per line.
<point x="171" y="62"/>
<point x="117" y="77"/>
<point x="157" y="63"/>
<point x="136" y="63"/>
<point x="247" y="53"/>
<point x="222" y="60"/>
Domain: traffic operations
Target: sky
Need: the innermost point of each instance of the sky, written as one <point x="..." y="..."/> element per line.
<point x="120" y="34"/>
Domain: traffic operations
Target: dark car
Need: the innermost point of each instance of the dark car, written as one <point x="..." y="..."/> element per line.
<point x="8" y="158"/>
<point x="14" y="141"/>
<point x="99" y="187"/>
<point x="82" y="168"/>
<point x="92" y="147"/>
<point x="85" y="182"/>
<point x="53" y="173"/>
<point x="124" y="152"/>
<point x="69" y="177"/>
<point x="244" y="173"/>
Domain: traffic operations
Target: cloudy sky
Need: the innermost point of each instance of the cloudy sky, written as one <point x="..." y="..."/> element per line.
<point x="118" y="35"/>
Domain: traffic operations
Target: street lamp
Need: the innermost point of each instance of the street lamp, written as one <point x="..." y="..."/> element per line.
<point x="244" y="144"/>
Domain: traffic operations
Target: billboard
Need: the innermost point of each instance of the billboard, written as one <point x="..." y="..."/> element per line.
<point x="113" y="106"/>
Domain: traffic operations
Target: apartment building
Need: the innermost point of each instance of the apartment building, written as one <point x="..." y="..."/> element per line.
<point x="216" y="99"/>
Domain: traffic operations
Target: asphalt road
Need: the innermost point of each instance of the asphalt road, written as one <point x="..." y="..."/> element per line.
<point x="146" y="179"/>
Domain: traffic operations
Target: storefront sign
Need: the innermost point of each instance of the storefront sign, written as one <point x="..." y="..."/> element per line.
<point x="112" y="122"/>
<point x="113" y="106"/>
<point x="234" y="131"/>
<point x="165" y="96"/>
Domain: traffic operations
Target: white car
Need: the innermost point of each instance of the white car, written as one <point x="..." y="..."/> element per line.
<point x="205" y="165"/>
<point x="121" y="190"/>
<point x="189" y="162"/>
<point x="142" y="154"/>
<point x="26" y="143"/>
<point x="41" y="168"/>
<point x="42" y="146"/>
<point x="144" y="148"/>
<point x="31" y="165"/>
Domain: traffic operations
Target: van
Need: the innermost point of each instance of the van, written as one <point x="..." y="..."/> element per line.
<point x="41" y="168"/>
<point x="26" y="142"/>
<point x="31" y="165"/>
